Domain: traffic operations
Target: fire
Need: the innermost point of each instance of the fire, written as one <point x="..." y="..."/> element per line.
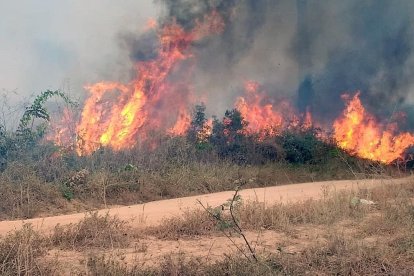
<point x="182" y="124"/>
<point x="116" y="115"/>
<point x="206" y="132"/>
<point x="151" y="24"/>
<point x="63" y="131"/>
<point x="264" y="117"/>
<point x="119" y="116"/>
<point x="359" y="133"/>
<point x="308" y="120"/>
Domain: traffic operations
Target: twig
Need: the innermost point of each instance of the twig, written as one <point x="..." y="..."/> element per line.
<point x="209" y="251"/>
<point x="225" y="234"/>
<point x="236" y="226"/>
<point x="240" y="231"/>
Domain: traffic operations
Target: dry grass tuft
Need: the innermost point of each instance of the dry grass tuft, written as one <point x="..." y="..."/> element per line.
<point x="191" y="223"/>
<point x="345" y="256"/>
<point x="20" y="250"/>
<point x="337" y="256"/>
<point x="333" y="208"/>
<point x="93" y="231"/>
<point x="183" y="266"/>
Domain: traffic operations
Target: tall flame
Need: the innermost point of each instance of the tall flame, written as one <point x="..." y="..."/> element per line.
<point x="120" y="115"/>
<point x="359" y="133"/>
<point x="182" y="124"/>
<point x="116" y="114"/>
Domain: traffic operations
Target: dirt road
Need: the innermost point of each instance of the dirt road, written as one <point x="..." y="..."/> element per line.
<point x="152" y="213"/>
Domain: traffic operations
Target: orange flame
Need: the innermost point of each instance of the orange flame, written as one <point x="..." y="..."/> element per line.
<point x="265" y="118"/>
<point x="358" y="132"/>
<point x="116" y="115"/>
<point x="260" y="115"/>
<point x="119" y="115"/>
<point x="62" y="132"/>
<point x="206" y="132"/>
<point x="182" y="125"/>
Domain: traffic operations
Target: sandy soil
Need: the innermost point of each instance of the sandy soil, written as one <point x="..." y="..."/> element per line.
<point x="152" y="213"/>
<point x="150" y="250"/>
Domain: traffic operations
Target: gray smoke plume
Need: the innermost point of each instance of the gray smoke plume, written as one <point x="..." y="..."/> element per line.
<point x="62" y="45"/>
<point x="309" y="51"/>
<point x="374" y="54"/>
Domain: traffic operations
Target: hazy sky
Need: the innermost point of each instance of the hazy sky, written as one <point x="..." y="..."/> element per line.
<point x="53" y="44"/>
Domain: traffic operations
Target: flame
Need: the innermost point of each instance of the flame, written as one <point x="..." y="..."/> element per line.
<point x="182" y="124"/>
<point x="308" y="120"/>
<point x="206" y="132"/>
<point x="116" y="115"/>
<point x="151" y="24"/>
<point x="264" y="117"/>
<point x="62" y="131"/>
<point x="260" y="116"/>
<point x="359" y="133"/>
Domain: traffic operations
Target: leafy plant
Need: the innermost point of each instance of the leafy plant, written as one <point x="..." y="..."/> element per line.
<point x="197" y="123"/>
<point x="67" y="193"/>
<point x="229" y="136"/>
<point x="37" y="111"/>
<point x="302" y="147"/>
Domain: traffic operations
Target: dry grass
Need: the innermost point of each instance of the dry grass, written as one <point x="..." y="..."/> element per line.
<point x="191" y="223"/>
<point x="24" y="195"/>
<point x="94" y="231"/>
<point x="375" y="240"/>
<point x="19" y="252"/>
<point x="40" y="182"/>
<point x="337" y="256"/>
<point x="22" y="252"/>
<point x="257" y="216"/>
<point x="394" y="206"/>
<point x="282" y="217"/>
<point x="347" y="256"/>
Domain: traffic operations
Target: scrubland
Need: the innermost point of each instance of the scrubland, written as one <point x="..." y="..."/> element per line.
<point x="360" y="232"/>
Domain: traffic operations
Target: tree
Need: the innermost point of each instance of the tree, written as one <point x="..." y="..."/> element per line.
<point x="198" y="123"/>
<point x="229" y="136"/>
<point x="234" y="126"/>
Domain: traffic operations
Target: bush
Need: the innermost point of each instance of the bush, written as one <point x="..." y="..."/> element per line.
<point x="301" y="147"/>
<point x="93" y="231"/>
<point x="19" y="252"/>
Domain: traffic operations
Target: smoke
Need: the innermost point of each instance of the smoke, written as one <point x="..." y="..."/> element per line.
<point x="309" y="51"/>
<point x="376" y="56"/>
<point x="64" y="44"/>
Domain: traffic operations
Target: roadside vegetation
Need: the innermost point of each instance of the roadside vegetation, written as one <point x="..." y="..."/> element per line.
<point x="39" y="177"/>
<point x="338" y="234"/>
<point x="365" y="232"/>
